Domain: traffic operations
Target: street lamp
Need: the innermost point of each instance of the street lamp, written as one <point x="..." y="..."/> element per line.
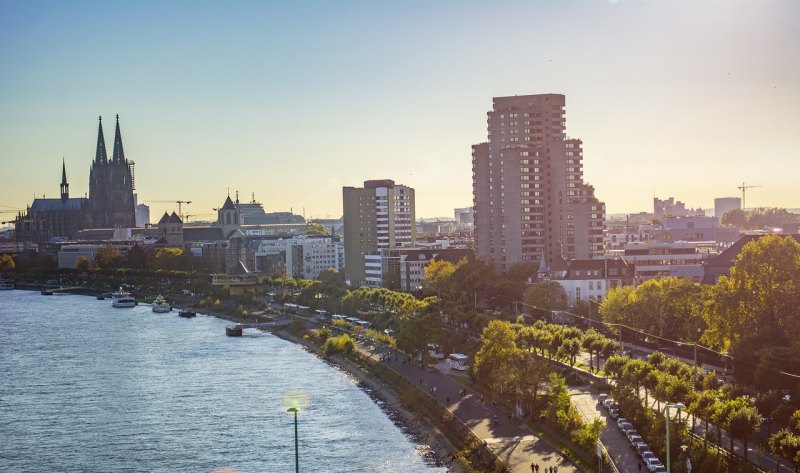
<point x="667" y="406"/>
<point x="296" y="451"/>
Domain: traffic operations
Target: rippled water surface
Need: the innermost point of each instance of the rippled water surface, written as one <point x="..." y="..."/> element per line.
<point x="85" y="387"/>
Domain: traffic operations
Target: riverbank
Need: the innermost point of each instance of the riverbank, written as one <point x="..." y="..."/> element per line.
<point x="441" y="453"/>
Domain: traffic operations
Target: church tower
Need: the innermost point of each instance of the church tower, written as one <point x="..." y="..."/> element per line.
<point x="228" y="217"/>
<point x="64" y="183"/>
<point x="111" y="185"/>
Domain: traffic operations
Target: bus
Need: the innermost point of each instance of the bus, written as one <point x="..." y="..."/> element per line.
<point x="457" y="361"/>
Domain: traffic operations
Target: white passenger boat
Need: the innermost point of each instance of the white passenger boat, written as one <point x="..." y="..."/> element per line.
<point x="6" y="284"/>
<point x="122" y="299"/>
<point x="160" y="305"/>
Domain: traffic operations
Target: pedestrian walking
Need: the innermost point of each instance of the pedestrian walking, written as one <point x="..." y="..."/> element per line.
<point x="640" y="467"/>
<point x="533" y="468"/>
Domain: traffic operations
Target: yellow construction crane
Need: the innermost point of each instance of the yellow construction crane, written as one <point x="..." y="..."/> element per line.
<point x="743" y="188"/>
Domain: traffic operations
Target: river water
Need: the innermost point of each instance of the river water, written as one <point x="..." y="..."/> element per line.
<point x="85" y="387"/>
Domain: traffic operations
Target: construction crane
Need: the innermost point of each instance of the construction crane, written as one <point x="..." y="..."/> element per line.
<point x="13" y="232"/>
<point x="197" y="215"/>
<point x="179" y="202"/>
<point x="743" y="188"/>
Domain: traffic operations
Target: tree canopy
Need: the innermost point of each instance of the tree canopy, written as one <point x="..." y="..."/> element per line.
<point x="548" y="295"/>
<point x="760" y="299"/>
<point x="667" y="306"/>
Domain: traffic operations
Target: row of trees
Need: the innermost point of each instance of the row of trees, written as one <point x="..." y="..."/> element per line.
<point x="667" y="379"/>
<point x="754" y="314"/>
<point x="471" y="281"/>
<point x="511" y="371"/>
<point x="759" y="218"/>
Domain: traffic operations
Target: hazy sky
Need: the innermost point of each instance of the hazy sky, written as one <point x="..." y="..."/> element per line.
<point x="294" y="99"/>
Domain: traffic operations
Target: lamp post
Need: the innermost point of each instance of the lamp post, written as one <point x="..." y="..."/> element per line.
<point x="667" y="406"/>
<point x="296" y="451"/>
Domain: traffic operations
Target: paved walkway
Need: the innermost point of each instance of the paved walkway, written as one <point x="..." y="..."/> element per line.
<point x="509" y="438"/>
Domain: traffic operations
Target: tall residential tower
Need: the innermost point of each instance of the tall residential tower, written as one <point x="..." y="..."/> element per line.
<point x="531" y="204"/>
<point x="376" y="217"/>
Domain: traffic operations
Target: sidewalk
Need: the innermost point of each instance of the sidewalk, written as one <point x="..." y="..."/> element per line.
<point x="509" y="438"/>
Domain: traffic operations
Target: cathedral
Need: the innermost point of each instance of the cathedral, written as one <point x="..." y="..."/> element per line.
<point x="110" y="203"/>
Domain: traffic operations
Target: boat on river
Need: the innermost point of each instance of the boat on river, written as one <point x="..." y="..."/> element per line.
<point x="186" y="313"/>
<point x="6" y="284"/>
<point x="160" y="305"/>
<point x="121" y="298"/>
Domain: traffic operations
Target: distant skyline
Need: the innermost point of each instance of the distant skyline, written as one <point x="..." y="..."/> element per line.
<point x="292" y="101"/>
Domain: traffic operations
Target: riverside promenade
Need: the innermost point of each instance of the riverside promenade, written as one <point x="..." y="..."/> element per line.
<point x="513" y="442"/>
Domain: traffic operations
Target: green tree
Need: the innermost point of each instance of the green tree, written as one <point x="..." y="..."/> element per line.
<point x="547" y="295"/>
<point x="415" y="333"/>
<point x="439" y="276"/>
<point x="592" y="342"/>
<point x="616" y="308"/>
<point x="473" y="277"/>
<point x="498" y="353"/>
<point x="570" y="349"/>
<point x="136" y="257"/>
<point x="658" y="304"/>
<point x="82" y="264"/>
<point x="736" y="217"/>
<point x="785" y="444"/>
<point x="7" y="264"/>
<point x="744" y="422"/>
<point x="108" y="257"/>
<point x="757" y="308"/>
<point x="316" y="229"/>
<point x="169" y="258"/>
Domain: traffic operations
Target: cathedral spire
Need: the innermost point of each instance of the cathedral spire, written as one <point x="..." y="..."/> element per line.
<point x="64" y="184"/>
<point x="100" y="156"/>
<point x="119" y="155"/>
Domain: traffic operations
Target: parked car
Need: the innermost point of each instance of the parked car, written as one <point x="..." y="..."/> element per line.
<point x="660" y="469"/>
<point x="612" y="404"/>
<point x="620" y="421"/>
<point x="626" y="427"/>
<point x="653" y="465"/>
<point x="641" y="448"/>
<point x="648" y="455"/>
<point x="614" y="413"/>
<point x="634" y="438"/>
<point x="602" y="398"/>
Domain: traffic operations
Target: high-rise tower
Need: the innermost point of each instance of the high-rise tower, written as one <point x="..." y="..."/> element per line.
<point x="111" y="185"/>
<point x="531" y="204"/>
<point x="377" y="217"/>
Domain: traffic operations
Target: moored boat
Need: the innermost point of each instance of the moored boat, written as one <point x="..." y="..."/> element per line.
<point x="6" y="284"/>
<point x="121" y="298"/>
<point x="160" y="305"/>
<point x="187" y="313"/>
